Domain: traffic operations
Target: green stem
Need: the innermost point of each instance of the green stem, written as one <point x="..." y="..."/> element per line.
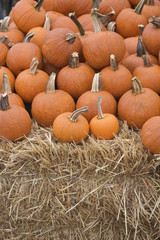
<point x="136" y="86"/>
<point x="39" y="4"/>
<point x="138" y="9"/>
<point x="140" y="48"/>
<point x="4" y="102"/>
<point x="78" y="24"/>
<point x="74" y="60"/>
<point x="6" y="87"/>
<point x="97" y="83"/>
<point x="74" y="116"/>
<point x="51" y="83"/>
<point x="99" y="109"/>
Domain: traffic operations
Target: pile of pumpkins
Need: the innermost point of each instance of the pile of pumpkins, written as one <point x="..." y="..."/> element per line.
<point x="82" y="65"/>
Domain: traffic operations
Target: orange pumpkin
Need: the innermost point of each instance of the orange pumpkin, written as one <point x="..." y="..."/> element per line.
<point x="151" y="9"/>
<point x="104" y="126"/>
<point x="68" y="126"/>
<point x="49" y="5"/>
<point x="3" y="50"/>
<point x="63" y="22"/>
<point x="46" y="106"/>
<point x="15" y="122"/>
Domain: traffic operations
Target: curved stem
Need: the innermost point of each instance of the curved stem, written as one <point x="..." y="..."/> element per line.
<point x="4" y="39"/>
<point x="139" y="7"/>
<point x="74" y="60"/>
<point x="105" y="19"/>
<point x="95" y="20"/>
<point x="150" y="2"/>
<point x="147" y="61"/>
<point x="113" y="62"/>
<point x="97" y="83"/>
<point x="74" y="116"/>
<point x="34" y="66"/>
<point x="70" y="37"/>
<point x="47" y="24"/>
<point x="51" y="83"/>
<point x="6" y="87"/>
<point x="39" y="4"/>
<point x="5" y="24"/>
<point x="99" y="109"/>
<point x="155" y="21"/>
<point x="136" y="86"/>
<point x="111" y="26"/>
<point x="28" y="37"/>
<point x="78" y="24"/>
<point x="140" y="48"/>
<point x="4" y="102"/>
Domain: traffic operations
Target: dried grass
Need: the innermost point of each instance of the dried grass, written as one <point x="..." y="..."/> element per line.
<point x="92" y="190"/>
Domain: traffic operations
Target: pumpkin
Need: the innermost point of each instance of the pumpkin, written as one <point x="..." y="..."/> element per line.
<point x="27" y="15"/>
<point x="117" y="5"/>
<point x="135" y="60"/>
<point x="149" y="74"/>
<point x="136" y="106"/>
<point x="151" y="36"/>
<point x="20" y="55"/>
<point x="151" y="134"/>
<point x="53" y="16"/>
<point x="11" y="31"/>
<point x="76" y="78"/>
<point x="30" y="82"/>
<point x="3" y="50"/>
<point x="68" y="127"/>
<point x="116" y="78"/>
<point x="104" y="126"/>
<point x="14" y="99"/>
<point x="40" y="32"/>
<point x="89" y="99"/>
<point x="15" y="122"/>
<point x="49" y="5"/>
<point x="10" y="76"/>
<point x="151" y="9"/>
<point x="46" y="106"/>
<point x="128" y="20"/>
<point x="62" y="22"/>
<point x="49" y="68"/>
<point x="58" y="46"/>
<point x="134" y="2"/>
<point x="97" y="48"/>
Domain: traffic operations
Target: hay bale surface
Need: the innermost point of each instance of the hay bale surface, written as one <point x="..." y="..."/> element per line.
<point x="92" y="190"/>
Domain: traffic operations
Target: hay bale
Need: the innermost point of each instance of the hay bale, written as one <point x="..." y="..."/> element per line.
<point x="93" y="190"/>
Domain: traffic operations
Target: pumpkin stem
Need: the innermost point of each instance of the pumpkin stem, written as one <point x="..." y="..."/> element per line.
<point x="105" y="19"/>
<point x="155" y="21"/>
<point x="141" y="29"/>
<point x="136" y="86"/>
<point x="51" y="83"/>
<point x="139" y="7"/>
<point x="39" y="4"/>
<point x="97" y="83"/>
<point x="140" y="48"/>
<point x="74" y="60"/>
<point x="113" y="62"/>
<point x="147" y="61"/>
<point x="3" y="39"/>
<point x="99" y="109"/>
<point x="150" y="2"/>
<point x="4" y="24"/>
<point x="28" y="37"/>
<point x="4" y="102"/>
<point x="70" y="37"/>
<point x="95" y="20"/>
<point x="95" y="3"/>
<point x="111" y="26"/>
<point x="6" y="87"/>
<point x="34" y="66"/>
<point x="47" y="24"/>
<point x="74" y="116"/>
<point x="78" y="24"/>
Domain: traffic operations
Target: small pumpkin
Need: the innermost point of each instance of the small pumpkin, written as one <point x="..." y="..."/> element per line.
<point x="15" y="122"/>
<point x="46" y="106"/>
<point x="89" y="98"/>
<point x="3" y="50"/>
<point x="68" y="126"/>
<point x="76" y="78"/>
<point x="104" y="126"/>
<point x="151" y="9"/>
<point x="116" y="78"/>
<point x="10" y="76"/>
<point x="49" y="5"/>
<point x="30" y="82"/>
<point x="63" y="22"/>
<point x="14" y="99"/>
<point x="136" y="106"/>
<point x="151" y="135"/>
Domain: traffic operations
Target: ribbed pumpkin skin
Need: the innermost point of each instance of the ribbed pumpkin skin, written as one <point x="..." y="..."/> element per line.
<point x="26" y="17"/>
<point x="150" y="11"/>
<point x="47" y="106"/>
<point x="39" y="35"/>
<point x="14" y="123"/>
<point x="63" y="22"/>
<point x="131" y="44"/>
<point x="89" y="99"/>
<point x="151" y="135"/>
<point x="87" y="24"/>
<point x="28" y="85"/>
<point x="127" y="23"/>
<point x="149" y="77"/>
<point x="67" y="131"/>
<point x="98" y="48"/>
<point x="49" y="5"/>
<point x="57" y="50"/>
<point x="10" y="76"/>
<point x="75" y="81"/>
<point x="3" y="54"/>
<point x="151" y="39"/>
<point x="116" y="82"/>
<point x="13" y="34"/>
<point x="137" y="109"/>
<point x="20" y="56"/>
<point x="104" y="128"/>
<point x="14" y="99"/>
